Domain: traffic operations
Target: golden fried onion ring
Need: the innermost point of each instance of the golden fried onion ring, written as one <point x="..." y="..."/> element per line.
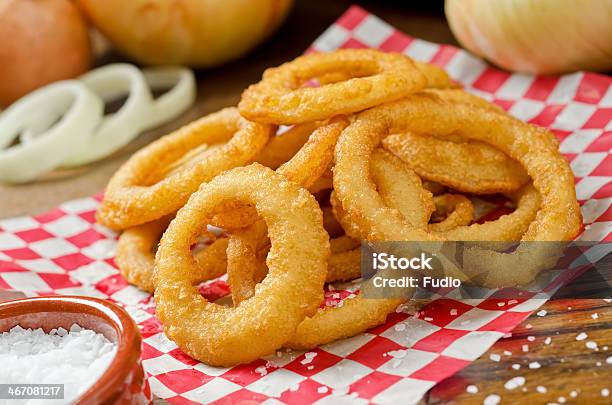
<point x="557" y="219"/>
<point x="374" y="77"/>
<point x="129" y="201"/>
<point x="298" y="256"/>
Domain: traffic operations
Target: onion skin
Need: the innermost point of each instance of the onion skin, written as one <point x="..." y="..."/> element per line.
<point x="199" y="33"/>
<point x="536" y="36"/>
<point x="42" y="41"/>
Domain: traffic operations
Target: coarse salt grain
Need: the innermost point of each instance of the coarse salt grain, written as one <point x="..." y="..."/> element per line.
<point x="541" y="389"/>
<point x="472" y="389"/>
<point x="591" y="345"/>
<point x="400" y="327"/>
<point x="573" y="394"/>
<point x="322" y="390"/>
<point x="495" y="357"/>
<point x="308" y="357"/>
<point x="595" y="316"/>
<point x="534" y="364"/>
<point x="492" y="399"/>
<point x="541" y="312"/>
<point x="605" y="392"/>
<point x="581" y="336"/>
<point x="516" y="366"/>
<point x="261" y="370"/>
<point x="453" y="312"/>
<point x="561" y="400"/>
<point x="531" y="338"/>
<point x="609" y="360"/>
<point x="547" y="340"/>
<point x="514" y="383"/>
<point x="525" y="348"/>
<point x="507" y="353"/>
<point x="398" y="354"/>
<point x="75" y="358"/>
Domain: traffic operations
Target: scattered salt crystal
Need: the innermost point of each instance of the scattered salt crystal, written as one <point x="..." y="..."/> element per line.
<point x="608" y="300"/>
<point x="598" y="364"/>
<point x="531" y="338"/>
<point x="514" y="383"/>
<point x="310" y="368"/>
<point x="605" y="392"/>
<point x="591" y="345"/>
<point x="428" y="319"/>
<point x="534" y="364"/>
<point x="261" y="370"/>
<point x="541" y="312"/>
<point x="322" y="390"/>
<point x="525" y="348"/>
<point x="492" y="399"/>
<point x="561" y="400"/>
<point x="569" y="308"/>
<point x="495" y="357"/>
<point x="516" y="366"/>
<point x="581" y="336"/>
<point x="528" y="326"/>
<point x="595" y="316"/>
<point x="472" y="389"/>
<point x="75" y="358"/>
<point x="398" y="354"/>
<point x="512" y="302"/>
<point x="453" y="312"/>
<point x="609" y="360"/>
<point x="501" y="304"/>
<point x="541" y="389"/>
<point x="308" y="357"/>
<point x="573" y="394"/>
<point x="605" y="348"/>
<point x="507" y="353"/>
<point x="547" y="340"/>
<point x="400" y="327"/>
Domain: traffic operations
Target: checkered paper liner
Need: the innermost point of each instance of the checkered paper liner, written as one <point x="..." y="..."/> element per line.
<point x="66" y="252"/>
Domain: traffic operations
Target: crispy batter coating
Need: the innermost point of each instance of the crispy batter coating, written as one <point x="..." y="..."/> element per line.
<point x="467" y="166"/>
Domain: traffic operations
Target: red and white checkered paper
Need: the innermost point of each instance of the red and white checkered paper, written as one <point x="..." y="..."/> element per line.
<point x="65" y="252"/>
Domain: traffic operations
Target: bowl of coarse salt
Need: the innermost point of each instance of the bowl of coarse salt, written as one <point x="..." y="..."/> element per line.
<point x="90" y="347"/>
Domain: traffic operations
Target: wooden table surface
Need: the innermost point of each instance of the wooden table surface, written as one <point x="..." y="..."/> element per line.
<point x="566" y="364"/>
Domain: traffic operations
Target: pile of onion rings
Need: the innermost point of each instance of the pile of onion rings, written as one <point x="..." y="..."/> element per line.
<point x="379" y="147"/>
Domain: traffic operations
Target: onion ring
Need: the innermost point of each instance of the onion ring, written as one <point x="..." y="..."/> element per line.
<point x="82" y="111"/>
<point x="376" y="77"/>
<point x="558" y="217"/>
<point x="225" y="336"/>
<point x="136" y="248"/>
<point x="127" y="202"/>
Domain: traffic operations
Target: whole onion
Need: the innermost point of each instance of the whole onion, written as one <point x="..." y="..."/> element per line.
<point x="536" y="36"/>
<point x="198" y="33"/>
<point x="41" y="41"/>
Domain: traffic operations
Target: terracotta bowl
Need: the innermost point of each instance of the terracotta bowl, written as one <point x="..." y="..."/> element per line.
<point x="123" y="382"/>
